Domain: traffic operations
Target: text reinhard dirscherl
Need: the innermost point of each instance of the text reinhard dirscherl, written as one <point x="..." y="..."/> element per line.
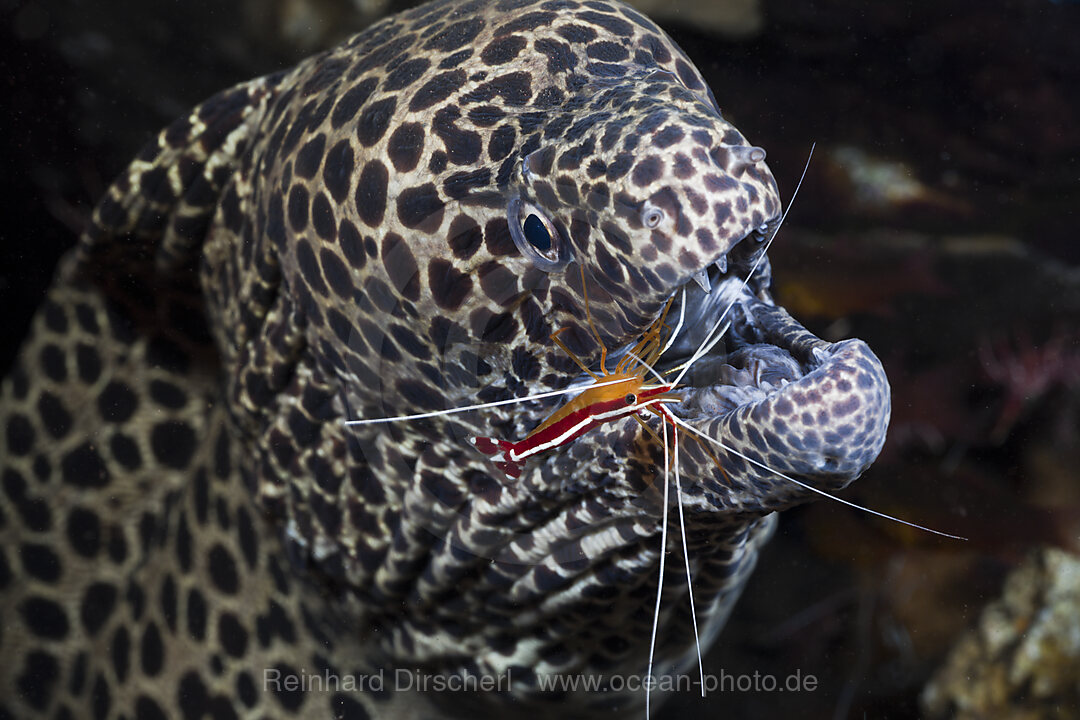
<point x="413" y="680"/>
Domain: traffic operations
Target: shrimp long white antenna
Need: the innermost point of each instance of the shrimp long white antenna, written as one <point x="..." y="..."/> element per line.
<point x="678" y="326"/>
<point x="481" y="406"/>
<point x="659" y="582"/>
<point x="752" y="461"/>
<point x="709" y="341"/>
<point x="686" y="562"/>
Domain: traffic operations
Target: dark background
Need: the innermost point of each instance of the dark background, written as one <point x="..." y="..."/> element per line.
<point x="937" y="221"/>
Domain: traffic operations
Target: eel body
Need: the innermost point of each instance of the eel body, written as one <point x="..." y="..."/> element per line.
<point x="398" y="225"/>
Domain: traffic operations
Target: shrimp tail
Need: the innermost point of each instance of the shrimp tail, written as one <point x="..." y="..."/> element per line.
<point x="498" y="450"/>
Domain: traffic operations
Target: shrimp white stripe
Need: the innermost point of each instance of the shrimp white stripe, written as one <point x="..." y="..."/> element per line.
<point x="599" y="417"/>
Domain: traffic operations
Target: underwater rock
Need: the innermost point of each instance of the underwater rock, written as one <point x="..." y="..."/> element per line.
<point x="1022" y="660"/>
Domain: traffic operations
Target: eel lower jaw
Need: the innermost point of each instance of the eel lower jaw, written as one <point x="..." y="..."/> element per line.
<point x="771" y="390"/>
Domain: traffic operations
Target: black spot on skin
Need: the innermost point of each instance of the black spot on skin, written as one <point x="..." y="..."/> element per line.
<point x="100" y="698"/>
<point x="167" y="395"/>
<point x="610" y="23"/>
<point x="514" y="88"/>
<point x="657" y="48"/>
<point x="338" y="170"/>
<point x="151" y="651"/>
<point x="291" y="699"/>
<point x="54" y="416"/>
<point x="191" y="695"/>
<point x="20" y="435"/>
<point x="40" y="561"/>
<point x="223" y="569"/>
<point x="406" y="74"/>
<point x="248" y="540"/>
<point x="298" y="207"/>
<point x="607" y="51"/>
<point x="560" y="56"/>
<point x="322" y="217"/>
<point x="647" y="171"/>
<point x="125" y="451"/>
<point x="337" y="276"/>
<point x="449" y="287"/>
<point x="491" y="327"/>
<point x="232" y="635"/>
<point x="452" y="61"/>
<point x="196" y="614"/>
<point x="438" y="162"/>
<point x="117" y="547"/>
<point x="83" y="467"/>
<point x="401" y="265"/>
<point x="379" y="293"/>
<point x="173" y="443"/>
<point x="53" y="362"/>
<point x="464" y="237"/>
<point x="503" y="49"/>
<point x="486" y="115"/>
<point x="498" y="282"/>
<point x="310" y="156"/>
<point x="117" y="402"/>
<point x="437" y="89"/>
<point x="88" y="362"/>
<point x="420" y="208"/>
<point x="5" y="572"/>
<point x="687" y="75"/>
<point x="577" y="33"/>
<point x="77" y="679"/>
<point x="245" y="689"/>
<point x="352" y="245"/>
<point x="455" y="36"/>
<point x="147" y="709"/>
<point x="374" y="120"/>
<point x="35" y="683"/>
<point x="351" y="102"/>
<point x="87" y="319"/>
<point x="44" y="618"/>
<point x="667" y="137"/>
<point x="84" y="532"/>
<point x="527" y="22"/>
<point x="35" y="512"/>
<point x="154" y="185"/>
<point x="405" y="146"/>
<point x="169" y="601"/>
<point x="501" y="143"/>
<point x="275" y="221"/>
<point x="462" y="146"/>
<point x="371" y="193"/>
<point x="459" y="185"/>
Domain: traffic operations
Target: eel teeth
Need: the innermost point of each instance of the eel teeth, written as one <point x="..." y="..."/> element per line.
<point x="721" y="264"/>
<point x="702" y="278"/>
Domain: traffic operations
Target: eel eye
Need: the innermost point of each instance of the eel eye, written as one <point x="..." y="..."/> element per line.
<point x="630" y="399"/>
<point x="536" y="233"/>
<point x="536" y="237"/>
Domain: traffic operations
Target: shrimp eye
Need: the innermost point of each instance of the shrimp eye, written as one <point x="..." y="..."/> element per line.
<point x="630" y="399"/>
<point x="536" y="236"/>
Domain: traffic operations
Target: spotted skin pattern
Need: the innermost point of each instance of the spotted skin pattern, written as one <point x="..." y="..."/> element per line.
<point x="183" y="515"/>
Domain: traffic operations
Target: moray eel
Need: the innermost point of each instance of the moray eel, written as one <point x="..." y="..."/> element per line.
<point x="397" y="225"/>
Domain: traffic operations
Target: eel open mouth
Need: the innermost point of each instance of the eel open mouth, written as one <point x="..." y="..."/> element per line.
<point x="770" y="388"/>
